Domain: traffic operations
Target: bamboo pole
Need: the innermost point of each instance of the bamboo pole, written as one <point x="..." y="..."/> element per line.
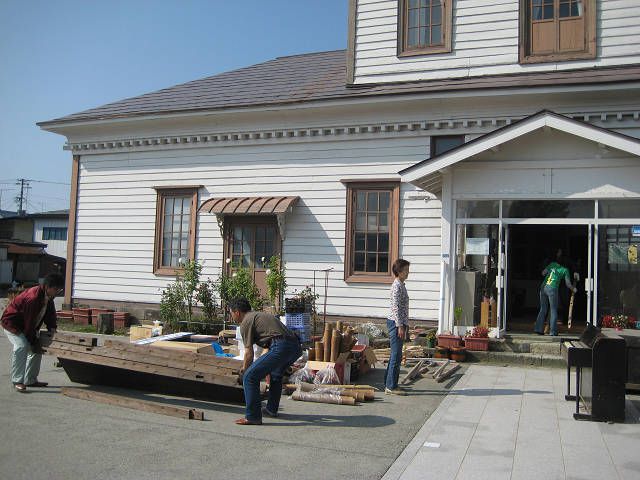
<point x="326" y="341"/>
<point x="323" y="398"/>
<point x="319" y="351"/>
<point x="336" y="337"/>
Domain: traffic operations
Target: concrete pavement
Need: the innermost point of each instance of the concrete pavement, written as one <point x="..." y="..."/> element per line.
<point x="513" y="423"/>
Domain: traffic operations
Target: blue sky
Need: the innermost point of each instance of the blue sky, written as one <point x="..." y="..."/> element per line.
<point x="64" y="56"/>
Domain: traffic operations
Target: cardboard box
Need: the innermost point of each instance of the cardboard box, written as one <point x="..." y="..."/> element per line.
<point x="138" y="332"/>
<point x="185" y="346"/>
<point x="338" y="365"/>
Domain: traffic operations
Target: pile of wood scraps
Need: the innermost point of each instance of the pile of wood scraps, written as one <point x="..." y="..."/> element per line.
<point x="408" y="351"/>
<point x="440" y="370"/>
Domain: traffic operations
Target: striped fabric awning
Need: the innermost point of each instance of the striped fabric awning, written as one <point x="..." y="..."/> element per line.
<point x="248" y="205"/>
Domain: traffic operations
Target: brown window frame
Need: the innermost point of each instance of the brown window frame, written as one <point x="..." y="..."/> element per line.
<point x="590" y="36"/>
<point x="162" y="193"/>
<point x="447" y="29"/>
<point x="231" y="221"/>
<point x="394" y="213"/>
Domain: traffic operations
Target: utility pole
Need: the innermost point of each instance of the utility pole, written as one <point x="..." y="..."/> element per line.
<point x="24" y="185"/>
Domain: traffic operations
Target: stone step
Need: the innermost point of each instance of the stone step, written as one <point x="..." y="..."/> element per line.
<point x="514" y="358"/>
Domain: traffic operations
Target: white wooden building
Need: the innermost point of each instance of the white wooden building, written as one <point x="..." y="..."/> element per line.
<point x="469" y="137"/>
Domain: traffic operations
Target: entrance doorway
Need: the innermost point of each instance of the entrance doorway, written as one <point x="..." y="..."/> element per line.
<point x="530" y="248"/>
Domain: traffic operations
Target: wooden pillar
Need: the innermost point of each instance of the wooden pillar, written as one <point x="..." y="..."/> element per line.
<point x="71" y="230"/>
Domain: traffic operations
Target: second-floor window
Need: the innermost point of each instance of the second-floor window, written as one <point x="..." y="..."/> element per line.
<point x="553" y="30"/>
<point x="424" y="26"/>
<point x="54" y="233"/>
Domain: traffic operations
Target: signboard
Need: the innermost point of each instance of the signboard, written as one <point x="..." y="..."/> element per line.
<point x="476" y="246"/>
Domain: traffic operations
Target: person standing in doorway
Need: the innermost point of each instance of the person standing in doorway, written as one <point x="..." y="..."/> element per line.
<point x="398" y="325"/>
<point x="553" y="275"/>
<point x="21" y="321"/>
<point x="266" y="331"/>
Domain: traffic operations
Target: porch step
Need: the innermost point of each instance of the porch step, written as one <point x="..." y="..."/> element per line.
<point x="526" y="343"/>
<point x="553" y="360"/>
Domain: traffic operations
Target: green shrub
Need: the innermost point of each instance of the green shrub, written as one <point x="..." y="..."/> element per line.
<point x="275" y="280"/>
<point x="239" y="284"/>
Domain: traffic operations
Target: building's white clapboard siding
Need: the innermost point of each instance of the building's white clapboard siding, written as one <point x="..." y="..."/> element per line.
<point x="484" y="42"/>
<point x="54" y="247"/>
<point x="116" y="217"/>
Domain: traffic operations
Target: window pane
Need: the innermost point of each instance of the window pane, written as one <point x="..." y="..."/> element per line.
<point x="548" y="11"/>
<point x="372" y="201"/>
<point x="414" y="18"/>
<point x="414" y="3"/>
<point x="359" y="243"/>
<point x="548" y="209"/>
<point x="564" y="9"/>
<point x="371" y="262"/>
<point x="619" y="208"/>
<point x="372" y="222"/>
<point x="372" y="242"/>
<point x="536" y="13"/>
<point x="424" y="35"/>
<point x="442" y="144"/>
<point x="361" y="199"/>
<point x="168" y="206"/>
<point x="436" y="34"/>
<point x="177" y="207"/>
<point x="412" y="38"/>
<point x="260" y="234"/>
<point x="384" y="201"/>
<point x="436" y="15"/>
<point x="383" y="242"/>
<point x="358" y="264"/>
<point x="576" y="8"/>
<point x="426" y="16"/>
<point x="383" y="263"/>
<point x="382" y="220"/>
<point x="478" y="209"/>
<point x="360" y="222"/>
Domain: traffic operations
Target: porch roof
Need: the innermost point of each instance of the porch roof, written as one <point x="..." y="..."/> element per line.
<point x="248" y="205"/>
<point x="427" y="174"/>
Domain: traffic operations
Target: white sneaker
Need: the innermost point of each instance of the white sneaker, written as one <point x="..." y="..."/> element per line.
<point x="395" y="391"/>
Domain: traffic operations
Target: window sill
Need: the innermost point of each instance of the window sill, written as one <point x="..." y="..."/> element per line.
<point x="557" y="57"/>
<point x="425" y="51"/>
<point x="165" y="271"/>
<point x="363" y="278"/>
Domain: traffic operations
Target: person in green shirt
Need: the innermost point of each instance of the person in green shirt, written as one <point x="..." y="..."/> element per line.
<point x="553" y="274"/>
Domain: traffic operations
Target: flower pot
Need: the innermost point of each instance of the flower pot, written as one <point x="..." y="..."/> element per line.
<point x="449" y="341"/>
<point x="477" y="344"/>
<point x="441" y="352"/>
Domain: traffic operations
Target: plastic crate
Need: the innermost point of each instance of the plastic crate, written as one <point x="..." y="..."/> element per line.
<point x="303" y="333"/>
<point x="299" y="320"/>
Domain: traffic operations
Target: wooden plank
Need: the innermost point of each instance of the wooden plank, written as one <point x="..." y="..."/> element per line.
<point x="133" y="403"/>
<point x="86" y="357"/>
<point x="415" y="370"/>
<point x="158" y="357"/>
<point x="75" y="338"/>
<point x="190" y="356"/>
<point x="443" y="376"/>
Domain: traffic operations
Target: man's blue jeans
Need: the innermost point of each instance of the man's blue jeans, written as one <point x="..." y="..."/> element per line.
<point x="548" y="297"/>
<point x="393" y="368"/>
<point x="282" y="353"/>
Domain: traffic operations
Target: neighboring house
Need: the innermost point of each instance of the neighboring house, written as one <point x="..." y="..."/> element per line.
<point x="472" y="138"/>
<point x="34" y="245"/>
<point x="51" y="228"/>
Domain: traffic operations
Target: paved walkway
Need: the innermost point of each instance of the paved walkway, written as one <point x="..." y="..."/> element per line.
<point x="513" y="423"/>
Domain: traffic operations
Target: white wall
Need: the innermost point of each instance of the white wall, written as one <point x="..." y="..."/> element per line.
<point x="116" y="217"/>
<point x="484" y="42"/>
<point x="54" y="247"/>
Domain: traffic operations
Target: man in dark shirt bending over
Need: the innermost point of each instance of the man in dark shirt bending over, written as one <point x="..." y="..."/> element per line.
<point x="266" y="331"/>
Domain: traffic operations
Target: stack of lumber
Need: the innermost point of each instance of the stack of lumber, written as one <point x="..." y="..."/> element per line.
<point x="80" y="354"/>
<point x="336" y="394"/>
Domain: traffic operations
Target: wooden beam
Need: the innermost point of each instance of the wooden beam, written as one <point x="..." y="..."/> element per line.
<point x="133" y="403"/>
<point x="89" y="357"/>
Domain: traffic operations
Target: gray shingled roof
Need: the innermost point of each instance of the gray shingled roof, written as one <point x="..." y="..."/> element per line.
<point x="314" y="77"/>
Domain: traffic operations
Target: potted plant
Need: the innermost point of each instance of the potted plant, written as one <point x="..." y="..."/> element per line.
<point x="477" y="339"/>
<point x="431" y="338"/>
<point x="620" y="321"/>
<point x="457" y="314"/>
